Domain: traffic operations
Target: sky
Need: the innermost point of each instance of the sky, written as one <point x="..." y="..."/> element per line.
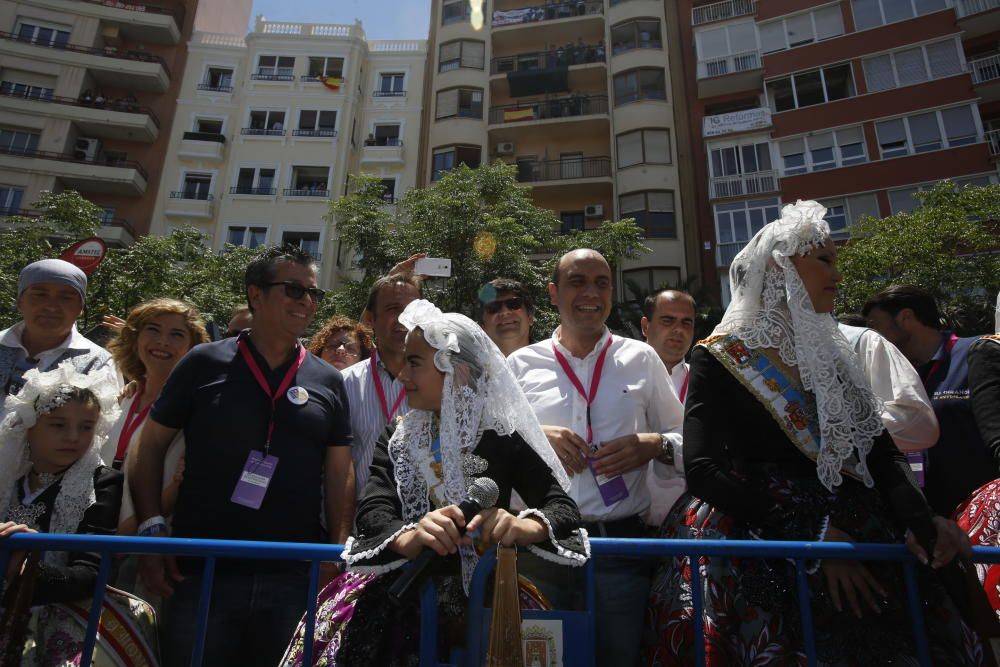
<point x="382" y="19"/>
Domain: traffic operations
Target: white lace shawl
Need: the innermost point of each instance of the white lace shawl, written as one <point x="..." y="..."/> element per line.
<point x="480" y="393"/>
<point x="43" y="392"/>
<point x="770" y="308"/>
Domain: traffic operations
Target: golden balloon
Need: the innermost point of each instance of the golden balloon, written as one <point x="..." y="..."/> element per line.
<point x="485" y="245"/>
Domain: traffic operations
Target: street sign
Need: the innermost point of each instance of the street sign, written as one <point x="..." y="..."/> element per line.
<point x="86" y="254"/>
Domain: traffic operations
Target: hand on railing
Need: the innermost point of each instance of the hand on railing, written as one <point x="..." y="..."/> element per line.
<point x="159" y="574"/>
<point x="7" y="529"/>
<point x="949" y="542"/>
<point x="850" y="579"/>
<point x="498" y="526"/>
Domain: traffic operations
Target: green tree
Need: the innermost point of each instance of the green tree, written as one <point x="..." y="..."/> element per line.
<point x="948" y="245"/>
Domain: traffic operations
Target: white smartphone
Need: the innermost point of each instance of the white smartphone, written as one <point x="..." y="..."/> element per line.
<point x="433" y="266"/>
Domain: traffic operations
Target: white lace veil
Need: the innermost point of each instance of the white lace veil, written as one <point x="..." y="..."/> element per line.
<point x="42" y="393"/>
<point x="770" y="308"/>
<point x="480" y="393"/>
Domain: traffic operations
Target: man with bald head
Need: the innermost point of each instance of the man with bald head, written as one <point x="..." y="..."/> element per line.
<point x="609" y="410"/>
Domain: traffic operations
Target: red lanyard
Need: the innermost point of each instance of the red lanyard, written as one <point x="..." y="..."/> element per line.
<point x="937" y="362"/>
<point x="381" y="392"/>
<point x="684" y="388"/>
<point x="132" y="422"/>
<point x="282" y="388"/>
<point x="595" y="380"/>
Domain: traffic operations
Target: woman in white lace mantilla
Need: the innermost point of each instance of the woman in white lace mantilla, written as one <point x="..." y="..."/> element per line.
<point x="468" y="418"/>
<point x="783" y="440"/>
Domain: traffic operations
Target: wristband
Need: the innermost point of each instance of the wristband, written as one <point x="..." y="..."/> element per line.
<point x="152" y="526"/>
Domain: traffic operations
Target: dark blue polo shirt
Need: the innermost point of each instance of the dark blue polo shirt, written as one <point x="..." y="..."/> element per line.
<point x="214" y="397"/>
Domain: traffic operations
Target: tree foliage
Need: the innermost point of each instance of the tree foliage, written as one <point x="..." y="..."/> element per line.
<point x="948" y="245"/>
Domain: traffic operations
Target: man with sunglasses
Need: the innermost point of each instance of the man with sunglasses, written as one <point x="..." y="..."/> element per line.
<point x="508" y="314"/>
<point x="266" y="423"/>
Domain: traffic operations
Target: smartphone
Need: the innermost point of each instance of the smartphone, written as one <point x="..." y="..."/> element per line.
<point x="433" y="266"/>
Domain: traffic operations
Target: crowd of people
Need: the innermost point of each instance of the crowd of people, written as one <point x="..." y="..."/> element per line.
<point x="783" y="424"/>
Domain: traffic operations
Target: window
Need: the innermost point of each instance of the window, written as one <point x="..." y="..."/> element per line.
<point x="462" y="53"/>
<point x="647" y="83"/>
<point x="389" y="196"/>
<point x="873" y="13"/>
<point x="801" y="29"/>
<point x="309" y="182"/>
<point x="43" y="35"/>
<point x="650" y="279"/>
<point x="643" y="147"/>
<point x="823" y="150"/>
<point x="218" y="79"/>
<point x="461" y="102"/>
<point x="455" y="11"/>
<point x="843" y="212"/>
<point x="307" y="241"/>
<point x="197" y="186"/>
<point x="208" y="125"/>
<point x="268" y="123"/>
<point x="390" y="85"/>
<point x="653" y="210"/>
<point x="385" y="134"/>
<point x="254" y="181"/>
<point x="251" y="237"/>
<point x="107" y="216"/>
<point x="636" y="35"/>
<point x="24" y="90"/>
<point x="915" y="65"/>
<point x="571" y="221"/>
<point x="18" y="142"/>
<point x="736" y="223"/>
<point x="314" y="123"/>
<point x="10" y="199"/>
<point x="808" y="88"/>
<point x="449" y="158"/>
<point x="929" y="131"/>
<point x="739" y="159"/>
<point x="728" y="49"/>
<point x="275" y="68"/>
<point x="331" y="67"/>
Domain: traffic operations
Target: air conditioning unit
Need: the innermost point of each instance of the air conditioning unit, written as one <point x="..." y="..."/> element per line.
<point x="86" y="149"/>
<point x="505" y="148"/>
<point x="594" y="211"/>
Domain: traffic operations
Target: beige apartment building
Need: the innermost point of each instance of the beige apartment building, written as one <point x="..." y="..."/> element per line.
<point x="578" y="95"/>
<point x="270" y="125"/>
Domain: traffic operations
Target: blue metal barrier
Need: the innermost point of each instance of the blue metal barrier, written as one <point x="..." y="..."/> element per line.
<point x="211" y="550"/>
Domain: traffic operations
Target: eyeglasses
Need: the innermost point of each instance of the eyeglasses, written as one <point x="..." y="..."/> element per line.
<point x="513" y="303"/>
<point x="349" y="348"/>
<point x="294" y="290"/>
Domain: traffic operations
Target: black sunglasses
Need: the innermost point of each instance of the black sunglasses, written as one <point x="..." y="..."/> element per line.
<point x="294" y="290"/>
<point x="513" y="303"/>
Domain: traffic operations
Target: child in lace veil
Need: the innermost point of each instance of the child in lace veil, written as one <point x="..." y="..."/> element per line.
<point x="468" y="418"/>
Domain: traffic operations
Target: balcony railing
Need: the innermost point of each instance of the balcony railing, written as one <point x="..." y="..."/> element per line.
<point x="557" y="170"/>
<point x="993" y="139"/>
<point x="243" y="190"/>
<point x="744" y="184"/>
<point x="122" y="105"/>
<point x="178" y="14"/>
<point x="559" y="107"/>
<point x="314" y="133"/>
<point x="205" y="136"/>
<point x="192" y="194"/>
<point x="578" y="54"/>
<point x="68" y="157"/>
<point x="281" y="74"/>
<point x="316" y="78"/>
<point x="384" y="142"/>
<point x="216" y="87"/>
<point x="966" y="8"/>
<point x="721" y="11"/>
<point x="305" y="192"/>
<point x="107" y="52"/>
<point x="725" y="253"/>
<point x="548" y="12"/>
<point x="985" y="69"/>
<point x="261" y="132"/>
<point x="739" y="62"/>
<point x="388" y="93"/>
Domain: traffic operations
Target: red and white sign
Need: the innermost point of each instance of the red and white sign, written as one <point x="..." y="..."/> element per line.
<point x="86" y="254"/>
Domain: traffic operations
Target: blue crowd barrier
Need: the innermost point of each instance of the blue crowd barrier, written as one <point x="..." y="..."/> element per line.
<point x="211" y="550"/>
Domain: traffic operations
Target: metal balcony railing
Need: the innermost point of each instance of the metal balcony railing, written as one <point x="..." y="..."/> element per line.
<point x="577" y="54"/>
<point x="557" y="170"/>
<point x="388" y="93"/>
<point x="732" y="64"/>
<point x="261" y="132"/>
<point x="557" y="107"/>
<point x="243" y="190"/>
<point x="107" y="51"/>
<point x="985" y="69"/>
<point x="321" y="132"/>
<point x="547" y="12"/>
<point x="384" y="142"/>
<point x="744" y="184"/>
<point x="305" y="192"/>
<point x="68" y="157"/>
<point x="178" y="13"/>
<point x="966" y="8"/>
<point x="216" y="87"/>
<point x="205" y="136"/>
<point x="192" y="194"/>
<point x="992" y="138"/>
<point x="279" y="74"/>
<point x="123" y="105"/>
<point x="721" y="11"/>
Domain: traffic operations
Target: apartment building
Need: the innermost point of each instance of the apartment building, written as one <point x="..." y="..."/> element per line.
<point x="271" y="124"/>
<point x="855" y="103"/>
<point x="87" y="98"/>
<point x="576" y="94"/>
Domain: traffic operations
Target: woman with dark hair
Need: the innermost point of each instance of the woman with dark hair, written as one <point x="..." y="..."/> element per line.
<point x="342" y="342"/>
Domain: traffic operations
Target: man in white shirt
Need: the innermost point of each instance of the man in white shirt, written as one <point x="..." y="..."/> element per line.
<point x="608" y="409"/>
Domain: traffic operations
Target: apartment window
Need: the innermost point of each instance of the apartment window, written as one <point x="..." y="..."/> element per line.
<point x="446" y="159"/>
<point x="314" y="123"/>
<point x="24" y="90"/>
<point x="10" y="199"/>
<point x="45" y="35"/>
<point x="924" y="132"/>
<point x="801" y="29"/>
<point x="18" y="141"/>
<point x="465" y="53"/>
<point x="823" y="150"/>
<point x="391" y="85"/>
<point x="915" y="65"/>
<point x="197" y="186"/>
<point x="461" y="102"/>
<point x="107" y="216"/>
<point x="266" y="123"/>
<point x="389" y="194"/>
<point x="646" y="83"/>
<point x="309" y="182"/>
<point x="647" y="280"/>
<point x="843" y="212"/>
<point x="643" y="147"/>
<point x="653" y="210"/>
<point x="873" y="13"/>
<point x="327" y="67"/>
<point x="728" y="49"/>
<point x="570" y="221"/>
<point x="218" y="78"/>
<point x="736" y="223"/>
<point x="250" y="237"/>
<point x="307" y="241"/>
<point x="809" y="88"/>
<point x="384" y="134"/>
<point x="734" y="160"/>
<point x="640" y="34"/>
<point x="275" y="68"/>
<point x="455" y="11"/>
<point x="255" y="181"/>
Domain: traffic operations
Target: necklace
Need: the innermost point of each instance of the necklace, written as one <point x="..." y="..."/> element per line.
<point x="47" y="478"/>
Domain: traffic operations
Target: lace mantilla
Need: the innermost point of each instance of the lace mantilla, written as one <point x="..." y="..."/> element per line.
<point x="771" y="308"/>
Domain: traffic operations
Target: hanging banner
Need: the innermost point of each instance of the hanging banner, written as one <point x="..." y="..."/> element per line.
<point x="736" y="121"/>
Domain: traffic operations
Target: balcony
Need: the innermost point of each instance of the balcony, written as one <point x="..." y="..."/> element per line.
<point x="554" y="109"/>
<point x="202" y="146"/>
<point x="276" y="74"/>
<point x="137" y="21"/>
<point x="190" y="204"/>
<point x="743" y="185"/>
<point x="730" y="74"/>
<point x="390" y="152"/>
<point x="254" y="192"/>
<point x="554" y="23"/>
<point x="388" y="93"/>
<point x="725" y="253"/>
<point x="978" y="17"/>
<point x="261" y="132"/>
<point x="722" y="11"/>
<point x="570" y="169"/>
<point x="306" y="192"/>
<point x="992" y="138"/>
<point x="120" y="119"/>
<point x="215" y="87"/>
<point x="539" y="60"/>
<point x="736" y="121"/>
<point x="321" y="132"/>
<point x="121" y="177"/>
<point x="986" y="77"/>
<point x="117" y="232"/>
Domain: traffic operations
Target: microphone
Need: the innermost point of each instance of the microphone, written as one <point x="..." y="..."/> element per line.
<point x="482" y="494"/>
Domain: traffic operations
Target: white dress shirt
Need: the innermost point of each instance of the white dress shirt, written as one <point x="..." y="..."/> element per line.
<point x="678" y="374"/>
<point x="908" y="415"/>
<point x="367" y="420"/>
<point x="664" y="490"/>
<point x="634" y="396"/>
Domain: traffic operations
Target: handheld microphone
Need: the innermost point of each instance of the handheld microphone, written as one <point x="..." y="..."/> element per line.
<point x="482" y="494"/>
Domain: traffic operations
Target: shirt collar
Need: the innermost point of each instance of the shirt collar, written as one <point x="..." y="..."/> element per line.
<point x="74" y="341"/>
<point x="680" y="366"/>
<point x="597" y="348"/>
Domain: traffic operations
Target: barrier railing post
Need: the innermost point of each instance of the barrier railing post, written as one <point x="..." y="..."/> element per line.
<point x="694" y="562"/>
<point x="916" y="615"/>
<point x="805" y="612"/>
<point x="204" y="602"/>
<point x="90" y="639"/>
<point x="309" y="637"/>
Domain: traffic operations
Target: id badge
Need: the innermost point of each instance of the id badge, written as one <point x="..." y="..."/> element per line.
<point x="916" y="461"/>
<point x="254" y="480"/>
<point x="612" y="489"/>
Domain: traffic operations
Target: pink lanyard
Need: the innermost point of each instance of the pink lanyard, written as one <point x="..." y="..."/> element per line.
<point x="132" y="422"/>
<point x="937" y="362"/>
<point x="684" y="388"/>
<point x="381" y="392"/>
<point x="282" y="388"/>
<point x="595" y="380"/>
